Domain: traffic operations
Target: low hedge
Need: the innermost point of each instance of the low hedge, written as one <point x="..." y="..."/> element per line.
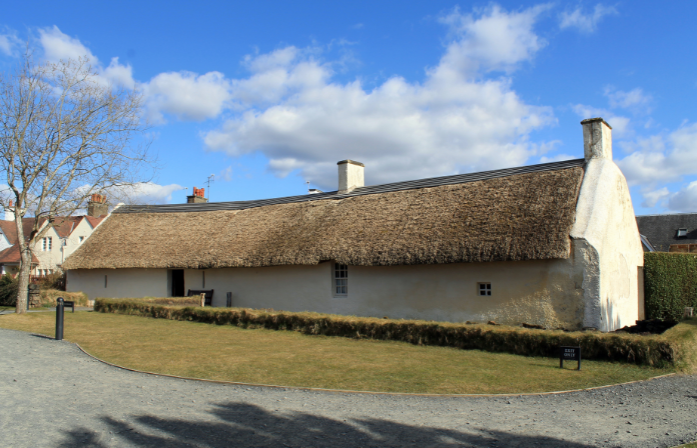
<point x="49" y="297"/>
<point x="670" y="284"/>
<point x="671" y="348"/>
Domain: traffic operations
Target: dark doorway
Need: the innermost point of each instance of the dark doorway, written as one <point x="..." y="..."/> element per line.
<point x="178" y="283"/>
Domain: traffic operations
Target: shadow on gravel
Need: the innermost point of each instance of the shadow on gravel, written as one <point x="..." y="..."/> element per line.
<point x="244" y="425"/>
<point x="42" y="336"/>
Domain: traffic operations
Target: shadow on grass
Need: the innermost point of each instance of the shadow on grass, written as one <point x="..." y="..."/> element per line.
<point x="244" y="425"/>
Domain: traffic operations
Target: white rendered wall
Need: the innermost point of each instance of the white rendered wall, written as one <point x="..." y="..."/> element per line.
<point x="606" y="240"/>
<point x="4" y="242"/>
<point x="120" y="283"/>
<point x="83" y="229"/>
<point x="546" y="292"/>
<point x="48" y="259"/>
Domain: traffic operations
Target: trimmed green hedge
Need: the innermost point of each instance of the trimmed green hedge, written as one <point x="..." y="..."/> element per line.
<point x="670" y="284"/>
<point x="655" y="350"/>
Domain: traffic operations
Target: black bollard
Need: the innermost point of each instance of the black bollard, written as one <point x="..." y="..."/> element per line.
<point x="59" y="319"/>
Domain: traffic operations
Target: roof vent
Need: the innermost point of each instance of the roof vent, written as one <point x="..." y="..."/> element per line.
<point x="682" y="233"/>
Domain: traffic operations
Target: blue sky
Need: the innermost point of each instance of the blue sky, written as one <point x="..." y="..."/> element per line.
<point x="270" y="95"/>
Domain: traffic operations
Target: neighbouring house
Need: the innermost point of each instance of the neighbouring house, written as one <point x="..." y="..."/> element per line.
<point x="66" y="233"/>
<point x="675" y="232"/>
<point x="554" y="244"/>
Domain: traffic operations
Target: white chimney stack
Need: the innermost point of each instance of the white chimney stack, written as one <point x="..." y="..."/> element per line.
<point x="350" y="175"/>
<point x="597" y="139"/>
<point x="10" y="211"/>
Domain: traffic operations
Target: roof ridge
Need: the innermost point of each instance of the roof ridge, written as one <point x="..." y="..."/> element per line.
<point x="360" y="191"/>
<point x="666" y="214"/>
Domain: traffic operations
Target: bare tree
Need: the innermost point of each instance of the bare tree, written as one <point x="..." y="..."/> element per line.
<point x="65" y="133"/>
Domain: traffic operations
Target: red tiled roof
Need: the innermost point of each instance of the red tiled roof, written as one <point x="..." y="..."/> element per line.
<point x="64" y="226"/>
<point x="94" y="222"/>
<point x="9" y="228"/>
<point x="11" y="255"/>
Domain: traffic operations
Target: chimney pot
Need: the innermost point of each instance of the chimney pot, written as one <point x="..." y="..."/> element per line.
<point x="97" y="207"/>
<point x="351" y="175"/>
<point x="597" y="139"/>
<point x="197" y="197"/>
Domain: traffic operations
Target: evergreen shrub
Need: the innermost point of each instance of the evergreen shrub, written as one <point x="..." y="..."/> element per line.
<point x="8" y="290"/>
<point x="670" y="284"/>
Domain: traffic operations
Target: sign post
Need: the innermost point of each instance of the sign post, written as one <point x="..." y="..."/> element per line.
<point x="569" y="354"/>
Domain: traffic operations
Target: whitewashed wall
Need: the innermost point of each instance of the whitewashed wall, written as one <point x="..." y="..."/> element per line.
<point x="119" y="283"/>
<point x="607" y="242"/>
<point x="537" y="292"/>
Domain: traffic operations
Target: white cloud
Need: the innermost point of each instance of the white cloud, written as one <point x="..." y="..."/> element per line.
<point x="186" y="95"/>
<point x="684" y="200"/>
<point x="653" y="197"/>
<point x="585" y="21"/>
<point x="9" y="42"/>
<point x="620" y="125"/>
<point x="493" y="40"/>
<point x="661" y="158"/>
<point x="635" y="100"/>
<point x="143" y="193"/>
<point x="59" y="46"/>
<point x="557" y="158"/>
<point x="118" y="74"/>
<point x="291" y="110"/>
<point x="226" y="174"/>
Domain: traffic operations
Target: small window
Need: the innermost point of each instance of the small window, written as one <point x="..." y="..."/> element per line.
<point x="46" y="244"/>
<point x="82" y="238"/>
<point x="340" y="279"/>
<point x="484" y="289"/>
<point x="682" y="233"/>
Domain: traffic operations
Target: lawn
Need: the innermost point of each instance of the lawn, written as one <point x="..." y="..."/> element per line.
<point x="224" y="352"/>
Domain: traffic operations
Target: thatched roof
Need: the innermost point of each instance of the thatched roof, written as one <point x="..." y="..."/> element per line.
<point x="500" y="217"/>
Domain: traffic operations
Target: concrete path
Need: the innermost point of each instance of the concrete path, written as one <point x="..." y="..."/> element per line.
<point x="53" y="395"/>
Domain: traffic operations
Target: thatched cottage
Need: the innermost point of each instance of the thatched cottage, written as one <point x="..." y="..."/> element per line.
<point x="554" y="244"/>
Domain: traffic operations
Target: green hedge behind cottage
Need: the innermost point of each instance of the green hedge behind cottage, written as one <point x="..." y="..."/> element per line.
<point x="670" y="284"/>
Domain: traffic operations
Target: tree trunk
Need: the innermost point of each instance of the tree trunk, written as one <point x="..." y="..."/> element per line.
<point x="23" y="280"/>
<point x="25" y="262"/>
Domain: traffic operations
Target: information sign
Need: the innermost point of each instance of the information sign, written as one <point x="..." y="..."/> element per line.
<point x="569" y="354"/>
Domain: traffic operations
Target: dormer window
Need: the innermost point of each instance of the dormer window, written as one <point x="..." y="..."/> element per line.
<point x="682" y="233"/>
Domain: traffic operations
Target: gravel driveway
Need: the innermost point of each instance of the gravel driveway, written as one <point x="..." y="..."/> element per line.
<point x="52" y="394"/>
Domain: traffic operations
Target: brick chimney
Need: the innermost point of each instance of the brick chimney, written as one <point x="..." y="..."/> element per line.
<point x="350" y="175"/>
<point x="198" y="196"/>
<point x="597" y="139"/>
<point x="97" y="207"/>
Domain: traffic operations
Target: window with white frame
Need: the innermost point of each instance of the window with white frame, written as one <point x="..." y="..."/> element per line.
<point x="484" y="289"/>
<point x="340" y="280"/>
<point x="46" y="244"/>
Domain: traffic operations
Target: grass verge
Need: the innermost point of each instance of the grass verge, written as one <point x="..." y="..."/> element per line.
<point x="673" y="348"/>
<point x="288" y="358"/>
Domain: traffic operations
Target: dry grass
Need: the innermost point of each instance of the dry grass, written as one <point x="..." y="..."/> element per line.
<point x="49" y="297"/>
<point x="290" y="358"/>
<point x="672" y="349"/>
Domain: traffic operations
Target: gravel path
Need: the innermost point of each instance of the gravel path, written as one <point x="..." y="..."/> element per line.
<point x="52" y="394"/>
